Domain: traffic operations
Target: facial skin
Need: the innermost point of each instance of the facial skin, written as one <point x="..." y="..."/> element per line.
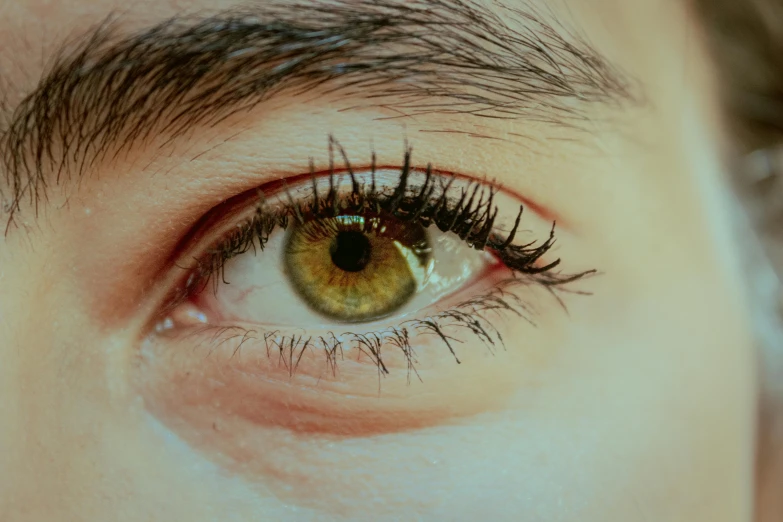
<point x="636" y="402"/>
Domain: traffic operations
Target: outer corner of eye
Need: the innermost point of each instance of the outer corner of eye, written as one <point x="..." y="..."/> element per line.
<point x="351" y="303"/>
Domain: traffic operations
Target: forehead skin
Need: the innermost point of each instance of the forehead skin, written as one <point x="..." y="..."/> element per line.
<point x="649" y="417"/>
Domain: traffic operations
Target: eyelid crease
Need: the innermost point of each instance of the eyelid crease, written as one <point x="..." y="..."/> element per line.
<point x="541" y="210"/>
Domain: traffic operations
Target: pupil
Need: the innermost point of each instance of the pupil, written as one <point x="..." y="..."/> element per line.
<point x="350" y="251"/>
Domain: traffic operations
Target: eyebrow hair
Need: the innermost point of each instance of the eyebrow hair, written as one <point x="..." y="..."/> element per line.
<point x="110" y="91"/>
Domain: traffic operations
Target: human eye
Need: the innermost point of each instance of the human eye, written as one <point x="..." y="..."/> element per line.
<point x="347" y="301"/>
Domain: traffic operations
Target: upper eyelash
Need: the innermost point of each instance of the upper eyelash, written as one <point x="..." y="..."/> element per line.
<point x="471" y="216"/>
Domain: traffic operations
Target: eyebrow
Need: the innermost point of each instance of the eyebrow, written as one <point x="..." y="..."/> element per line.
<point x="110" y="91"/>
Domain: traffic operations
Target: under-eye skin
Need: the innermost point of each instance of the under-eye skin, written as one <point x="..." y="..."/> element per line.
<point x="359" y="246"/>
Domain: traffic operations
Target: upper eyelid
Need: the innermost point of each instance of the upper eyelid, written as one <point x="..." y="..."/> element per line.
<point x="237" y="203"/>
<point x="228" y="213"/>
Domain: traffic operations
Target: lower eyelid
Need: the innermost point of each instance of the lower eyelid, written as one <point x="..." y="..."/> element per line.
<point x="279" y="405"/>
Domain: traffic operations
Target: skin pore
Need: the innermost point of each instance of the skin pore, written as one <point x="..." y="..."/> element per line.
<point x="635" y="402"/>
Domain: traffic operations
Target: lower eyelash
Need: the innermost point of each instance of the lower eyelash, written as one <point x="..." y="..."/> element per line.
<point x="473" y="316"/>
